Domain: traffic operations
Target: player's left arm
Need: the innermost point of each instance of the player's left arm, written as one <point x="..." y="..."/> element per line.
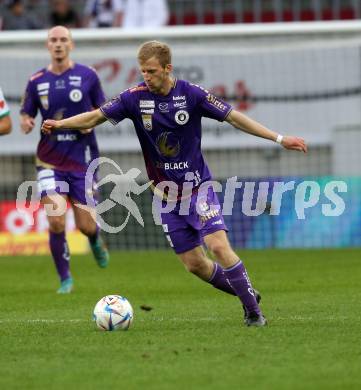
<point x="82" y="121"/>
<point x="96" y="95"/>
<point x="250" y="126"/>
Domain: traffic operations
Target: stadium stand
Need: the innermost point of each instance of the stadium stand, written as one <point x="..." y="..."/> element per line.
<point x="189" y="12"/>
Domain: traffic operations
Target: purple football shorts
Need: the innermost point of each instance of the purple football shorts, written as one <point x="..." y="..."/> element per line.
<point x="185" y="232"/>
<point x="73" y="184"/>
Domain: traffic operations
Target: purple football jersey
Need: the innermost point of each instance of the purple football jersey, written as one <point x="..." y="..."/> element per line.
<point x="61" y="96"/>
<point x="169" y="127"/>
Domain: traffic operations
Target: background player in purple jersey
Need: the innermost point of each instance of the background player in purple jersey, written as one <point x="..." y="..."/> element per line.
<point x="5" y="120"/>
<point x="167" y="114"/>
<point x="61" y="90"/>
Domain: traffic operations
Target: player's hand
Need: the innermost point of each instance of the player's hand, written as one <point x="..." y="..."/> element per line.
<point x="294" y="143"/>
<point x="49" y="125"/>
<point x="27" y="124"/>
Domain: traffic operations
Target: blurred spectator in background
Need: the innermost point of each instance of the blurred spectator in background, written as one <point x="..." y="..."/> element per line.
<point x="62" y="14"/>
<point x="145" y="13"/>
<point x="103" y="13"/>
<point x="18" y="18"/>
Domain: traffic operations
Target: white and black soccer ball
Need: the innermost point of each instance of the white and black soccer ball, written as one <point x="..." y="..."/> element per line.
<point x="113" y="312"/>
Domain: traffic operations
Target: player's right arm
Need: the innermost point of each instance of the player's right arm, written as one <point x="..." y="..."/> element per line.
<point x="27" y="123"/>
<point x="29" y="106"/>
<point x="82" y="121"/>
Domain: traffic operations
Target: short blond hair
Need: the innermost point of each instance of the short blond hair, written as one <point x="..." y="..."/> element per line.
<point x="156" y="49"/>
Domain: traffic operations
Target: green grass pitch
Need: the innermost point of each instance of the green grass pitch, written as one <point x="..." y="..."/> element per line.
<point x="194" y="337"/>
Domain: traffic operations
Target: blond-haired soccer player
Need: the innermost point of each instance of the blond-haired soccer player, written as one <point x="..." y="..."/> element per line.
<point x="167" y="114"/>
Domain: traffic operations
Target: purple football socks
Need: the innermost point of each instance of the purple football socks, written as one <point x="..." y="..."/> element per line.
<point x="60" y="252"/>
<point x="239" y="280"/>
<point x="219" y="280"/>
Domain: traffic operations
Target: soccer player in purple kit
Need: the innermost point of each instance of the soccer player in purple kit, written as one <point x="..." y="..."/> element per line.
<point x="63" y="89"/>
<point x="167" y="114"/>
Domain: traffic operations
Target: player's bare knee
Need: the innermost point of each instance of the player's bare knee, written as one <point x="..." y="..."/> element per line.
<point x="56" y="225"/>
<point x="194" y="268"/>
<point x="219" y="248"/>
<point x="195" y="265"/>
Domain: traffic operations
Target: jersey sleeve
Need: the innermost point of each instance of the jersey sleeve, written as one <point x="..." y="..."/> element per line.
<point x="209" y="105"/>
<point x="97" y="95"/>
<point x="117" y="109"/>
<point x="29" y="101"/>
<point x="4" y="108"/>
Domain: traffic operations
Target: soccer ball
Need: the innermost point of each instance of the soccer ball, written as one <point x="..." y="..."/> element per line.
<point x="113" y="312"/>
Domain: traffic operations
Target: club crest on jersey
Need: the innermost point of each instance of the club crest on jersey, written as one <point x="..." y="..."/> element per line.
<point x="147" y="122"/>
<point x="181" y="117"/>
<point x="75" y="95"/>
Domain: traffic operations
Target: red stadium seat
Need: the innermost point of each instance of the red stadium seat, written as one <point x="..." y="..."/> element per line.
<point x="229" y="17"/>
<point x="209" y="18"/>
<point x="347" y="13"/>
<point x="327" y="14"/>
<point x="268" y="16"/>
<point x="248" y="17"/>
<point x="172" y="20"/>
<point x="190" y="18"/>
<point x="287" y="15"/>
<point x="307" y="15"/>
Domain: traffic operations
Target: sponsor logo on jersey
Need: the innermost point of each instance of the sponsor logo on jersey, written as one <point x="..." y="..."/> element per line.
<point x="147" y="111"/>
<point x="204" y="217"/>
<point x="216" y="102"/>
<point x="168" y="144"/>
<point x="66" y="137"/>
<point x="44" y="101"/>
<point x="146" y="104"/>
<point x="172" y="166"/>
<point x="179" y="97"/>
<point x="60" y="84"/>
<point x="42" y="86"/>
<point x="75" y="95"/>
<point x="163" y="107"/>
<point x="147" y="122"/>
<point x="75" y="81"/>
<point x="180" y="104"/>
<point x="181" y="117"/>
